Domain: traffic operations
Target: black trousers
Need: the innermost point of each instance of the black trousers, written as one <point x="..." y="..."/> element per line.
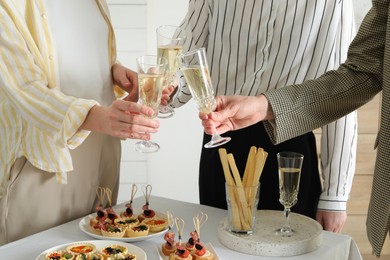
<point x="212" y="179"/>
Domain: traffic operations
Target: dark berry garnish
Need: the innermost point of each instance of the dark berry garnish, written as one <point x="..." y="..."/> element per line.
<point x="129" y="211"/>
<point x="100" y="214"/>
<point x="113" y="251"/>
<point x="199" y="246"/>
<point x="141" y="228"/>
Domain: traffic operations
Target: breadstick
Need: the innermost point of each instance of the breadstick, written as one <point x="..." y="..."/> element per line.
<point x="261" y="156"/>
<point x="249" y="171"/>
<point x="230" y="183"/>
<point x="247" y="216"/>
<point x="249" y="168"/>
<point x="225" y="166"/>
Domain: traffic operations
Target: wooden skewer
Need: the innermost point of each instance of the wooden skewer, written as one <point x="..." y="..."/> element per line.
<point x="180" y="227"/>
<point x="101" y="193"/>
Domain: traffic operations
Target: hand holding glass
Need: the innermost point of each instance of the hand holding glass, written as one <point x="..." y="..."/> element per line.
<point x="196" y="72"/>
<point x="151" y="75"/>
<point x="290" y="165"/>
<point x="170" y="40"/>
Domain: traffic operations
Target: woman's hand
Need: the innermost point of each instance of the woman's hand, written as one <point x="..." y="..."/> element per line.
<point x="122" y="119"/>
<point x="167" y="94"/>
<point x="127" y="80"/>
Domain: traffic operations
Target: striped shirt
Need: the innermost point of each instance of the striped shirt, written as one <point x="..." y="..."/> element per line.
<point x="37" y="120"/>
<point x="254" y="46"/>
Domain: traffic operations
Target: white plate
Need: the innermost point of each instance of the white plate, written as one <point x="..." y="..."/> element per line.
<point x="208" y="246"/>
<point x="140" y="254"/>
<point x="86" y="228"/>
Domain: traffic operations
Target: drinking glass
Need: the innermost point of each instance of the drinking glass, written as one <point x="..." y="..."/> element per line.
<point x="170" y="40"/>
<point x="289" y="165"/>
<point x="194" y="66"/>
<point x="151" y="75"/>
<point x="242" y="204"/>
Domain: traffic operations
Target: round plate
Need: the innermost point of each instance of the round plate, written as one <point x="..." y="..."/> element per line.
<point x="86" y="228"/>
<point x="140" y="254"/>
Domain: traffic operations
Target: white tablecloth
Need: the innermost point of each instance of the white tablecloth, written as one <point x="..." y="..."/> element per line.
<point x="334" y="246"/>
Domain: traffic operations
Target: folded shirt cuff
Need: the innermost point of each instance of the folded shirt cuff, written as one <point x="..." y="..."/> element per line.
<point x="333" y="204"/>
<point x="70" y="133"/>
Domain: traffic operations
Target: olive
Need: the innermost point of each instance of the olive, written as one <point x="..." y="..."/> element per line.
<point x="198" y="246"/>
<point x="100" y="213"/>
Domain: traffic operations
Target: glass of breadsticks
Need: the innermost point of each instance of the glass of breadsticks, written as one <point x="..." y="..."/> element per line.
<point x="242" y="193"/>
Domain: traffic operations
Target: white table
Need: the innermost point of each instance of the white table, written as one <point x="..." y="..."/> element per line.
<point x="334" y="246"/>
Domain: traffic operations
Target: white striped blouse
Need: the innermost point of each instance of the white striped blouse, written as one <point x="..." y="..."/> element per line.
<point x="257" y="45"/>
<point x="37" y="120"/>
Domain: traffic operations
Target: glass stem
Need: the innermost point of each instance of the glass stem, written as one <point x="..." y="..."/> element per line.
<point x="286" y="227"/>
<point x="214" y="130"/>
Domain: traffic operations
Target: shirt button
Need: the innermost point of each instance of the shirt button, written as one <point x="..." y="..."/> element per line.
<point x="44" y="16"/>
<point x="50" y="57"/>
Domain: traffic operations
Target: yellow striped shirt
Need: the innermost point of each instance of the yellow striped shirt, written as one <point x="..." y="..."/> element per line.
<point x="37" y="120"/>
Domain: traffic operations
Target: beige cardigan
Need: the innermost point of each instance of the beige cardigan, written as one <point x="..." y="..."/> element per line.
<point x="43" y="132"/>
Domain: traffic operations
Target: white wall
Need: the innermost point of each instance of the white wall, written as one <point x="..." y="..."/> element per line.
<point x="361" y="8"/>
<point x="173" y="171"/>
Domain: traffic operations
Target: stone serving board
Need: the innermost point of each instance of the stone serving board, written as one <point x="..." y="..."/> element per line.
<point x="265" y="242"/>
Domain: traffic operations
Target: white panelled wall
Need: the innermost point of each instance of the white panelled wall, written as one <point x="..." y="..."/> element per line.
<point x="172" y="171"/>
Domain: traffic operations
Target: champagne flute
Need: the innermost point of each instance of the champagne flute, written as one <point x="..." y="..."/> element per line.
<point x="170" y="40"/>
<point x="151" y="75"/>
<point x="289" y="164"/>
<point x="196" y="72"/>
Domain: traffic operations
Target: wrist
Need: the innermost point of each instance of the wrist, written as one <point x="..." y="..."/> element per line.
<point x="92" y="121"/>
<point x="266" y="112"/>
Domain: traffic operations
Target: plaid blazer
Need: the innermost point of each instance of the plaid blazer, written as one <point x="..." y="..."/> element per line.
<point x="366" y="72"/>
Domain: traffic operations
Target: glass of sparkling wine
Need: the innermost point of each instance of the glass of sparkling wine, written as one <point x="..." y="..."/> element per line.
<point x="196" y="72"/>
<point x="151" y="75"/>
<point x="289" y="164"/>
<point x="170" y="40"/>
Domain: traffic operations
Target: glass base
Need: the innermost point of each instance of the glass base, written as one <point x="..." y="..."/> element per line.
<point x="241" y="232"/>
<point x="217" y="141"/>
<point x="146" y="147"/>
<point x="285" y="232"/>
<point x="165" y="112"/>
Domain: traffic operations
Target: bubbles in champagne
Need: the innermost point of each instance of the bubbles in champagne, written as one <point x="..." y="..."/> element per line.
<point x="150" y="90"/>
<point x="289" y="186"/>
<point x="170" y="53"/>
<point x="199" y="82"/>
